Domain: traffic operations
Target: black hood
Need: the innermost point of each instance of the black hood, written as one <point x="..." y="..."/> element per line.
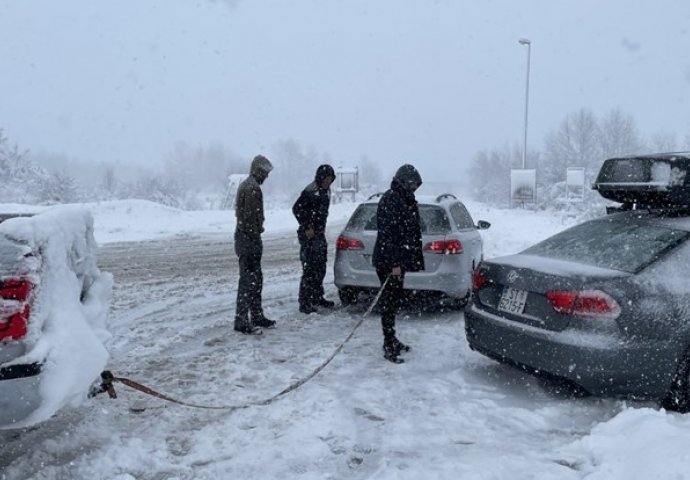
<point x="322" y="172"/>
<point x="406" y="176"/>
<point x="260" y="168"/>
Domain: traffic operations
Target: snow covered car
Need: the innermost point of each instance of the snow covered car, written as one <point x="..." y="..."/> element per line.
<point x="451" y="243"/>
<point x="605" y="304"/>
<point x="53" y="306"/>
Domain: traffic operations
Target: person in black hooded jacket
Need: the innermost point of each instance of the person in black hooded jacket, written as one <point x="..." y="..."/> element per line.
<point x="398" y="249"/>
<point x="311" y="212"/>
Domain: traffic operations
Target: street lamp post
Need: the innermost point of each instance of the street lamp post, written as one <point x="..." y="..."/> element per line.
<point x="525" y="41"/>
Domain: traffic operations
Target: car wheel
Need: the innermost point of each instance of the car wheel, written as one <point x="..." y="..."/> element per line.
<point x="348" y="295"/>
<point x="678" y="397"/>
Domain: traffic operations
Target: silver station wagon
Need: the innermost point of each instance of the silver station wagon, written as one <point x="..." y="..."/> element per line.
<point x="451" y="243"/>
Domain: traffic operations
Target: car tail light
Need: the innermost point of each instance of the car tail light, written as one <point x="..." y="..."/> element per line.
<point x="347" y="243"/>
<point x="586" y="303"/>
<point x="479" y="280"/>
<point x="14" y="308"/>
<point x="444" y="247"/>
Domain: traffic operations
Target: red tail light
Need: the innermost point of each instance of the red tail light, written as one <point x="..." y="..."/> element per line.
<point x="478" y="279"/>
<point x="444" y="247"/>
<point x="14" y="308"/>
<point x="14" y="289"/>
<point x="347" y="243"/>
<point x="586" y="303"/>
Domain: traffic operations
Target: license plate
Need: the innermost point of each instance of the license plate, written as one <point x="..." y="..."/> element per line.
<point x="512" y="300"/>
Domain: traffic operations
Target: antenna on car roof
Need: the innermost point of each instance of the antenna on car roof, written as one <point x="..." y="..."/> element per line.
<point x="445" y="195"/>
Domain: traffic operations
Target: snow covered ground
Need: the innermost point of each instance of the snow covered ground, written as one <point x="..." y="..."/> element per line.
<point x="447" y="412"/>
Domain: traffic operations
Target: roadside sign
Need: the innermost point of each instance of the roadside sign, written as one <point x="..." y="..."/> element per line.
<point x="523" y="186"/>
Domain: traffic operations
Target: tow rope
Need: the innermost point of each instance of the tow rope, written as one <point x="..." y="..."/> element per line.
<point x="108" y="379"/>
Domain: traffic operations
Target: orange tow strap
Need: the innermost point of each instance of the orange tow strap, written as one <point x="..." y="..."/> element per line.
<point x="107" y="380"/>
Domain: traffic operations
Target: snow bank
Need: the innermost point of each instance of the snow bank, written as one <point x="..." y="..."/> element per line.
<point x="136" y="220"/>
<point x="67" y="328"/>
<point x="636" y="444"/>
<point x="513" y="230"/>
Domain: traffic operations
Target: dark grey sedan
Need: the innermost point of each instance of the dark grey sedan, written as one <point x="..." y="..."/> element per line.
<point x="604" y="305"/>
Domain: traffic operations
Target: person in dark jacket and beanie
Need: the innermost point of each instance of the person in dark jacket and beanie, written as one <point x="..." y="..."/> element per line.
<point x="249" y="209"/>
<point x="398" y="250"/>
<point x="311" y="212"/>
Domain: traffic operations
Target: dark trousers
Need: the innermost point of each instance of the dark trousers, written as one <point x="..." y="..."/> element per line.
<point x="389" y="302"/>
<point x="249" y="250"/>
<point x="312" y="254"/>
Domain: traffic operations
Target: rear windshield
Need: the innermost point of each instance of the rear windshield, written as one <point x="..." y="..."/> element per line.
<point x="433" y="219"/>
<point x="610" y="244"/>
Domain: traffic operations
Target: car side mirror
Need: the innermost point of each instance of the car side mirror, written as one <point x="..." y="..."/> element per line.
<point x="483" y="225"/>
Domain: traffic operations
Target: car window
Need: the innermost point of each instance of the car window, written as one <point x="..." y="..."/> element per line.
<point x="364" y="218"/>
<point x="433" y="219"/>
<point x="461" y="217"/>
<point x="611" y="244"/>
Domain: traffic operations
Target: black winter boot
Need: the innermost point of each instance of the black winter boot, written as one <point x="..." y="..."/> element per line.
<point x="247" y="329"/>
<point x="307" y="309"/>
<point x="391" y="353"/>
<point x="400" y="347"/>
<point x="322" y="302"/>
<point x="265" y="323"/>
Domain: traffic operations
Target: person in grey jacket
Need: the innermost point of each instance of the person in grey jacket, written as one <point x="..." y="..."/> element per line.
<point x="249" y="210"/>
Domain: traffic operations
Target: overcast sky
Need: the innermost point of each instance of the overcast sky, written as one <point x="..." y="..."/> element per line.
<point x="427" y="82"/>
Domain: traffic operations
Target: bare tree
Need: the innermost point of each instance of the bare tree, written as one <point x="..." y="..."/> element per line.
<point x="574" y="144"/>
<point x="202" y="168"/>
<point x="294" y="168"/>
<point x="109" y="183"/>
<point x="619" y="135"/>
<point x="663" y="142"/>
<point x="489" y="173"/>
<point x="12" y="160"/>
<point x="369" y="173"/>
<point x="686" y="143"/>
<point x="59" y="187"/>
<point x="159" y="190"/>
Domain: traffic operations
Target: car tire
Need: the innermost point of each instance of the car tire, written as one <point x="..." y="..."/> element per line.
<point x="348" y="295"/>
<point x="678" y="397"/>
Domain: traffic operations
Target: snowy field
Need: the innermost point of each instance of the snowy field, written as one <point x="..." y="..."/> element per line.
<point x="447" y="412"/>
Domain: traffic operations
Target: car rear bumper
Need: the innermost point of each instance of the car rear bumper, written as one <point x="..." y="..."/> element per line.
<point x="449" y="283"/>
<point x="602" y="364"/>
<point x="19" y="393"/>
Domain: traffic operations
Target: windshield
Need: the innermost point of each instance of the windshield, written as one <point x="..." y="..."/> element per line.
<point x="609" y="244"/>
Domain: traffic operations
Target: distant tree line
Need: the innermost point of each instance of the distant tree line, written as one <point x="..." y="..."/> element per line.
<point x="580" y="140"/>
<point x="188" y="177"/>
